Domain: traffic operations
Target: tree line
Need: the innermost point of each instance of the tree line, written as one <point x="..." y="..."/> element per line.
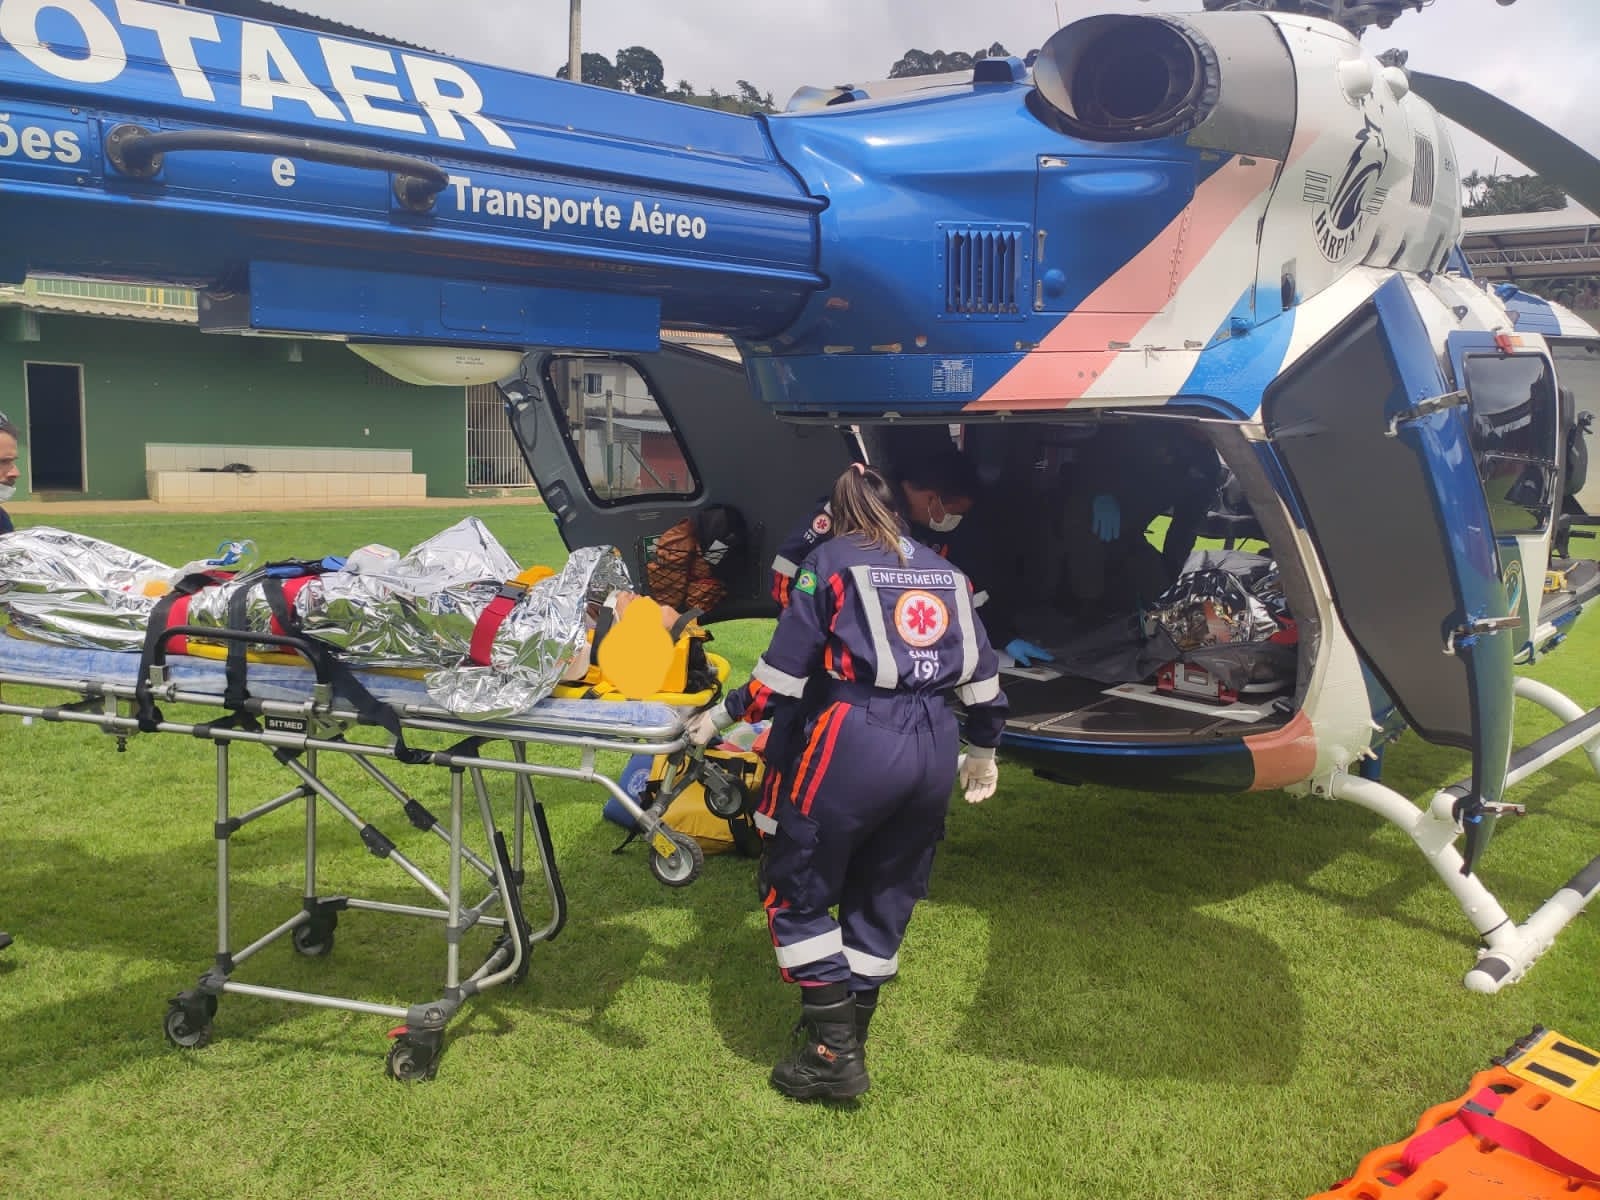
<point x="638" y="69"/>
<point x="1491" y="194"/>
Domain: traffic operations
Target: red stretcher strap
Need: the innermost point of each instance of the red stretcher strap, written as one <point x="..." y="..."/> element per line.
<point x="1425" y="1145"/>
<point x="177" y="615"/>
<point x="1476" y="1119"/>
<point x="1525" y="1145"/>
<point x="493" y="616"/>
<point x="291" y="589"/>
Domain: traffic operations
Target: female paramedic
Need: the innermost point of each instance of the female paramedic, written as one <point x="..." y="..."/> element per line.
<point x="934" y="486"/>
<point x="885" y="631"/>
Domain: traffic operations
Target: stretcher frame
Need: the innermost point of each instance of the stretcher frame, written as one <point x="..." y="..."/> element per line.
<point x="296" y="733"/>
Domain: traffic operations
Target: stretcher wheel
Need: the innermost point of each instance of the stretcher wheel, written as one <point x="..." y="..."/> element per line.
<point x="728" y="799"/>
<point x="412" y="1061"/>
<point x="683" y="866"/>
<point x="188" y="1021"/>
<point x="313" y="939"/>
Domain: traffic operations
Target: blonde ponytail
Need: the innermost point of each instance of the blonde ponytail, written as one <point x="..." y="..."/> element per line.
<point x="863" y="505"/>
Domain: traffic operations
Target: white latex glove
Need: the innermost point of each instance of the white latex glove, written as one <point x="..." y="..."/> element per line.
<point x="702" y="728"/>
<point x="978" y="773"/>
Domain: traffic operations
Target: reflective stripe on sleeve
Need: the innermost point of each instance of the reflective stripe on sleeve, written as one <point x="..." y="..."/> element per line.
<point x="969" y="636"/>
<point x="984" y="691"/>
<point x="870" y="966"/>
<point x="781" y="682"/>
<point x="888" y="671"/>
<point x="979" y="599"/>
<point x="784" y="566"/>
<point x="813" y="949"/>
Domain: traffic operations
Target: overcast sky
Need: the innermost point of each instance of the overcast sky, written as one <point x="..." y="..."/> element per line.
<point x="1542" y="55"/>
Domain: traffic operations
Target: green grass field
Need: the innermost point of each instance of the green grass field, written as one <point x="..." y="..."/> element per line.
<point x="1106" y="995"/>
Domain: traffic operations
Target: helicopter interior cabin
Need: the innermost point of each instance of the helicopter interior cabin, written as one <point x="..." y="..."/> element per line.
<point x="1166" y="613"/>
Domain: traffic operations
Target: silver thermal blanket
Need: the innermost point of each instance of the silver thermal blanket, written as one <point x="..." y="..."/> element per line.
<point x="382" y="609"/>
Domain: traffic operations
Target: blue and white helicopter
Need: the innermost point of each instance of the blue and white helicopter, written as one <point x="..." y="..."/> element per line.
<point x="1239" y="222"/>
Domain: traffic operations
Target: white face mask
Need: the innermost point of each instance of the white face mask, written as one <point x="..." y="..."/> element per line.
<point x="7" y="490"/>
<point x="945" y="524"/>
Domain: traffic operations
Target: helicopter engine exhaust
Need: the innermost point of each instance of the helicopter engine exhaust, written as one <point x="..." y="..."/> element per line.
<point x="1226" y="80"/>
<point x="1126" y="78"/>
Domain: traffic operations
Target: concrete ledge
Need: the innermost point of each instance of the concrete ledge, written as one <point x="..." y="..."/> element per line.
<point x="172" y="456"/>
<point x="271" y="488"/>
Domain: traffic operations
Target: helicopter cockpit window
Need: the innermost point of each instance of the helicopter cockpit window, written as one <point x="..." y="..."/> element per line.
<point x="1514" y="421"/>
<point x="618" y="433"/>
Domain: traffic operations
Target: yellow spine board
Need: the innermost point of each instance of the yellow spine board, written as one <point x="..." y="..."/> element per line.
<point x="272" y="658"/>
<point x="566" y="691"/>
<point x="533" y="575"/>
<point x="597" y="688"/>
<point x="688" y="813"/>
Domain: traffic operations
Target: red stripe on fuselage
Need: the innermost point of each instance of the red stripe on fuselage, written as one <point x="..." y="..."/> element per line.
<point x="1073" y="355"/>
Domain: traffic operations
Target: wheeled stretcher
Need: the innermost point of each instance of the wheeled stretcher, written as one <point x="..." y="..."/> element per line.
<point x="298" y="714"/>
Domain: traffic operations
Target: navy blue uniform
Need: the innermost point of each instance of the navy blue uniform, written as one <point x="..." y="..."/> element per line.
<point x="792" y="551"/>
<point x="859" y="677"/>
<point x="5" y="522"/>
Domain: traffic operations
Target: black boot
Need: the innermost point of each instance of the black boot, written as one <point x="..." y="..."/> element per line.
<point x="5" y="940"/>
<point x="830" y="1064"/>
<point x="866" y="1005"/>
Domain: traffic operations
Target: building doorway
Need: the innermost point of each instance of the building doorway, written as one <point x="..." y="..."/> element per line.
<point x="55" y="427"/>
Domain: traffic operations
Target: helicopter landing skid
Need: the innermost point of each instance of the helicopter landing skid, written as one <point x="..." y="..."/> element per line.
<point x="1509" y="949"/>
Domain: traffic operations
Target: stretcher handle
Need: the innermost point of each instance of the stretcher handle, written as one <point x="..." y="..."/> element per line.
<point x="211" y="633"/>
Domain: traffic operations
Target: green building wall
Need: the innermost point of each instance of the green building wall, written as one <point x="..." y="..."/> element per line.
<point x="150" y="382"/>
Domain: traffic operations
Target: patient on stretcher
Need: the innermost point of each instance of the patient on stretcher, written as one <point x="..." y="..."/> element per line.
<point x="488" y="638"/>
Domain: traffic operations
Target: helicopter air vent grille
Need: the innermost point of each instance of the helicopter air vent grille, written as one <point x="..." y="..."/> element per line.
<point x="1422" y="173"/>
<point x="983" y="270"/>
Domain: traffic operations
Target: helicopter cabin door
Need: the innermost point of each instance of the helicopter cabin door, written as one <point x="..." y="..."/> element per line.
<point x="1378" y="449"/>
<point x="624" y="447"/>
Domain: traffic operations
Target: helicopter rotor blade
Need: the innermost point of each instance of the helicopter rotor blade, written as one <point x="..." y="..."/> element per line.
<point x="1555" y="158"/>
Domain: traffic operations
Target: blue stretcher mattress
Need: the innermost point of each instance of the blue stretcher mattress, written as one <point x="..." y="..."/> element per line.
<point x="67" y="666"/>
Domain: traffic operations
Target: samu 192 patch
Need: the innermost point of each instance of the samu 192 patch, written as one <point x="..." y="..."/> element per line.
<point x="807" y="583"/>
<point x="921" y="618"/>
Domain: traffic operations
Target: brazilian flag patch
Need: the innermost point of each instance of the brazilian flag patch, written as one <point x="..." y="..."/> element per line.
<point x="807" y="583"/>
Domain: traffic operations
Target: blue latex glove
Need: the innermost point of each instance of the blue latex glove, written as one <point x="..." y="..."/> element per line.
<point x="1107" y="517"/>
<point x="1026" y="653"/>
